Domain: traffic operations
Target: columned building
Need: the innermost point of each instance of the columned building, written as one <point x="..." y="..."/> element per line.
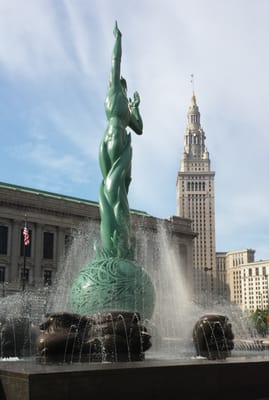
<point x="56" y="223"/>
<point x="195" y="200"/>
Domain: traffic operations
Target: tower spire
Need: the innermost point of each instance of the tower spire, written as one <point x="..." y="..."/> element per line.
<point x="192" y="83"/>
<point x="193" y="99"/>
<point x="194" y="140"/>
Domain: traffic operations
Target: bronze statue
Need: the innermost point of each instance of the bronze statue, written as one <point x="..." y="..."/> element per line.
<point x="113" y="280"/>
<point x="115" y="157"/>
<point x="112" y="293"/>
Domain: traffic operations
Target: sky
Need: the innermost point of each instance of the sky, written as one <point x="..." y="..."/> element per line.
<point x="54" y="69"/>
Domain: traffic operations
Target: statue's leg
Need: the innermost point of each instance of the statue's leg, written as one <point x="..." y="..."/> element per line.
<point x="128" y="173"/>
<point x="104" y="159"/>
<point x="118" y="175"/>
<point x="116" y="194"/>
<point x="108" y="221"/>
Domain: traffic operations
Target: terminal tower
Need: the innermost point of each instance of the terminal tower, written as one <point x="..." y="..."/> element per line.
<point x="196" y="200"/>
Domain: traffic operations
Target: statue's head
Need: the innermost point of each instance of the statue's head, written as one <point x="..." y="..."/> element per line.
<point x="123" y="83"/>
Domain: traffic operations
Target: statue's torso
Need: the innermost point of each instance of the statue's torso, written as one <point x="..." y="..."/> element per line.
<point x="116" y="105"/>
<point x="118" y="115"/>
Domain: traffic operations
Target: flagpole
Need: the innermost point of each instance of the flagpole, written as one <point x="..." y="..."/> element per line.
<point x="24" y="266"/>
<point x="23" y="274"/>
<point x="24" y="256"/>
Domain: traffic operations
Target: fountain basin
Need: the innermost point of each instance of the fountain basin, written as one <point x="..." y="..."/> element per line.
<point x="239" y="378"/>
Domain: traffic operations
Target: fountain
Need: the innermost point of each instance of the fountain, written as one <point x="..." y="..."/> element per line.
<point x="111" y="317"/>
<point x="113" y="290"/>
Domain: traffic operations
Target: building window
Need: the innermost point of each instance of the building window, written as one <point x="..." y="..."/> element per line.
<point x="3" y="239"/>
<point x="47" y="277"/>
<point x="26" y="250"/>
<point x="257" y="271"/>
<point x="2" y="274"/>
<point x="264" y="270"/>
<point x="48" y="245"/>
<point x="25" y="273"/>
<point x="249" y="272"/>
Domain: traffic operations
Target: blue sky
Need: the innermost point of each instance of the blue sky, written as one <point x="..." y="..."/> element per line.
<point x="54" y="69"/>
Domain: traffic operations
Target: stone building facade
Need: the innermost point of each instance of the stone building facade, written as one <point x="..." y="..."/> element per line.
<point x="53" y="220"/>
<point x="247" y="279"/>
<point x="196" y="200"/>
<point x="223" y="290"/>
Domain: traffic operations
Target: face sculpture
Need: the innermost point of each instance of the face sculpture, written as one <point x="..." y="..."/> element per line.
<point x="213" y="337"/>
<point x="110" y="336"/>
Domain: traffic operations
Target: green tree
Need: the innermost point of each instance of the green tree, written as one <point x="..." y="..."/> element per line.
<point x="259" y="318"/>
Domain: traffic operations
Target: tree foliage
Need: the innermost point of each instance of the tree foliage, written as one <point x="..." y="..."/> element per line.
<point x="259" y="318"/>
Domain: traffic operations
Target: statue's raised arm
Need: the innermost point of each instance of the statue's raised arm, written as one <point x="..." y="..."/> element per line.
<point x="116" y="58"/>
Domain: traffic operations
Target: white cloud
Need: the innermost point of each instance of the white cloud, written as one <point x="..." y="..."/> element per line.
<point x="64" y="47"/>
<point x="32" y="45"/>
<point x="66" y="166"/>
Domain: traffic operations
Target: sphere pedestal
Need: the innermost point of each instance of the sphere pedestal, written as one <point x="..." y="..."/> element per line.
<point x="113" y="284"/>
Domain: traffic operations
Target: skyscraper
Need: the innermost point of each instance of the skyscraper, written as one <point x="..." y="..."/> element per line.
<point x="195" y="200"/>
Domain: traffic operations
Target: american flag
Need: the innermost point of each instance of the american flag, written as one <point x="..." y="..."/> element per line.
<point x="26" y="236"/>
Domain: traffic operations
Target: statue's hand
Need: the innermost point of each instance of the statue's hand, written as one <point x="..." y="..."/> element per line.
<point x="136" y="101"/>
<point x="116" y="30"/>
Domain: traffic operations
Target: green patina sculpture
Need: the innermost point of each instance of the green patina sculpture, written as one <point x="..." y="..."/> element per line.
<point x="115" y="159"/>
<point x="114" y="281"/>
